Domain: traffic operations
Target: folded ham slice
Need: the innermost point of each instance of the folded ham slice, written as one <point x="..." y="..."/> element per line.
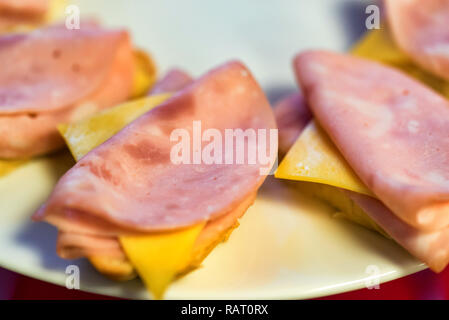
<point x="292" y="116"/>
<point x="392" y="130"/>
<point x="62" y="76"/>
<point x="129" y="185"/>
<point x="430" y="247"/>
<point x="420" y="29"/>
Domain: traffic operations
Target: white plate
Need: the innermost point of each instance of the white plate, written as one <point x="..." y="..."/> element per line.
<point x="287" y="245"/>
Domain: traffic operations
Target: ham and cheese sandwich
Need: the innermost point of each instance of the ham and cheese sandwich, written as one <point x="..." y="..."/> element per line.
<point x="54" y="75"/>
<point x="381" y="136"/>
<point x="420" y="30"/>
<point x="129" y="208"/>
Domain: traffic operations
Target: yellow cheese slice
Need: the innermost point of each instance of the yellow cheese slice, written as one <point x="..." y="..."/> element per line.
<point x="85" y="135"/>
<point x="159" y="257"/>
<point x="378" y="45"/>
<point x="314" y="158"/>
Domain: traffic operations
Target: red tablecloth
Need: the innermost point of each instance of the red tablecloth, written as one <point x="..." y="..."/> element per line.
<point x="422" y="285"/>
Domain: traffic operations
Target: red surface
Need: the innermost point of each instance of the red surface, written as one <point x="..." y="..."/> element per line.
<point x="422" y="285"/>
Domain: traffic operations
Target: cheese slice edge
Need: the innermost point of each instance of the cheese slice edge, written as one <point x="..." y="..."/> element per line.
<point x="314" y="158"/>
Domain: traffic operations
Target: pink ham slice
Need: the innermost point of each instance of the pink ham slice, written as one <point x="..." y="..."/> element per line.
<point x="62" y="76"/>
<point x="430" y="247"/>
<point x="420" y="29"/>
<point x="292" y="116"/>
<point x="129" y="184"/>
<point x="174" y="80"/>
<point x="392" y="130"/>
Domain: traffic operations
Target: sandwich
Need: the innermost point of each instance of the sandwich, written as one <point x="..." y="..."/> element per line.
<point x="379" y="140"/>
<point x="63" y="76"/>
<point x="138" y="204"/>
<point x="383" y="46"/>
